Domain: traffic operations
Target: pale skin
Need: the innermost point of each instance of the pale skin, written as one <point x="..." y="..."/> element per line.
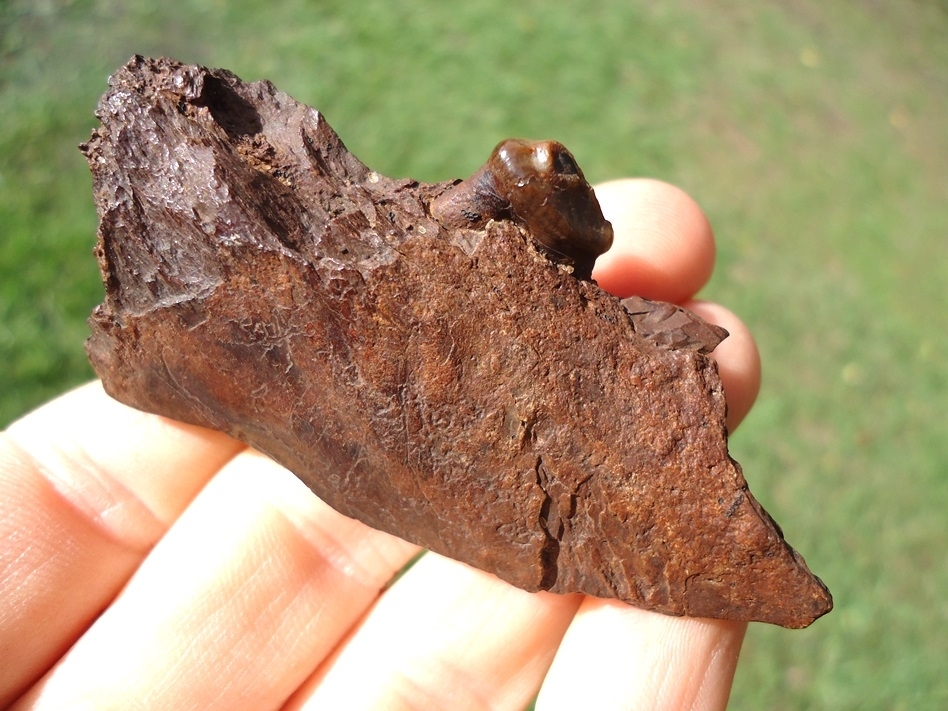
<point x="149" y="564"/>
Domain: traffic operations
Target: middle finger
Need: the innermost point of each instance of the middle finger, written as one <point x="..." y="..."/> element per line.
<point x="446" y="636"/>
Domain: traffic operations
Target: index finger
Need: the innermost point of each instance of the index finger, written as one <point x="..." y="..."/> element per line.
<point x="89" y="485"/>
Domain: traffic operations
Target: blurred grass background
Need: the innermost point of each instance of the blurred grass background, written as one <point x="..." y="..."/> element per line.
<point x="815" y="135"/>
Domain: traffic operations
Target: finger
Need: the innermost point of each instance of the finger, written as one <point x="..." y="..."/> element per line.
<point x="663" y="247"/>
<point x="738" y="360"/>
<point x="445" y="636"/>
<point x="250" y="589"/>
<point x="88" y="486"/>
<point x="628" y="658"/>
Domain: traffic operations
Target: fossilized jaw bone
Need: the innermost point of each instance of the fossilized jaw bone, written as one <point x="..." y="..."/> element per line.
<point x="447" y="384"/>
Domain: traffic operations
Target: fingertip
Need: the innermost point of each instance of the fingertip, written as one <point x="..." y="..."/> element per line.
<point x="664" y="245"/>
<point x="632" y="658"/>
<point x="738" y="360"/>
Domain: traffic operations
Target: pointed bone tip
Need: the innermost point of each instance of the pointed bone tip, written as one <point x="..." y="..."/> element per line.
<point x="795" y="608"/>
<point x="819" y="603"/>
<point x="798" y="603"/>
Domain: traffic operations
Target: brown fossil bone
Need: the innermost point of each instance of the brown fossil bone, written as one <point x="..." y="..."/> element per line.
<point x="439" y="379"/>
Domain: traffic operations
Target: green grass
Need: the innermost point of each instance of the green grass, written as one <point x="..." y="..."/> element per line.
<point x="813" y="133"/>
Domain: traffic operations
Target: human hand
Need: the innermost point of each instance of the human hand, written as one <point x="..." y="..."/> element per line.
<point x="147" y="563"/>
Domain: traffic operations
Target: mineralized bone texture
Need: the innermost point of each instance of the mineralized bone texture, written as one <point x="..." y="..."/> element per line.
<point x="451" y="386"/>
